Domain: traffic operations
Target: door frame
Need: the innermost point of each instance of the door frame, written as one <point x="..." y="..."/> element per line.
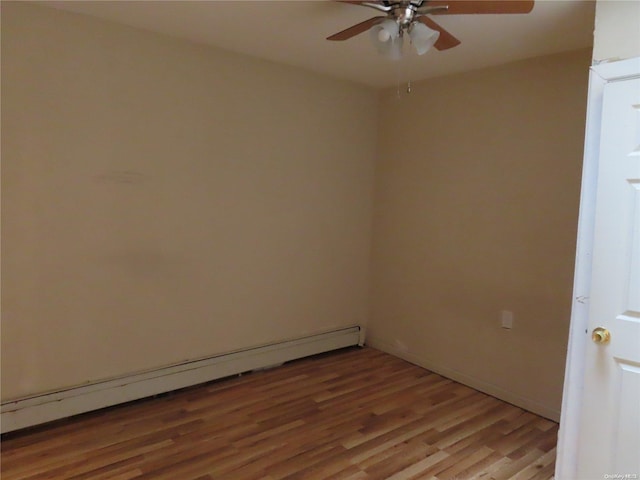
<point x="568" y="435"/>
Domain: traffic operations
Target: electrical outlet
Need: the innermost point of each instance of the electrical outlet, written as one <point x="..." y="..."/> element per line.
<point x="506" y="319"/>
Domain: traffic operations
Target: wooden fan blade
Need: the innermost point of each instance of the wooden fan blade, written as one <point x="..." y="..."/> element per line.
<point x="355" y="29"/>
<point x="360" y="2"/>
<point x="445" y="40"/>
<point x="464" y="7"/>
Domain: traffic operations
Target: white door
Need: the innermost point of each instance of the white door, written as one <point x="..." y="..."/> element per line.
<point x="608" y="433"/>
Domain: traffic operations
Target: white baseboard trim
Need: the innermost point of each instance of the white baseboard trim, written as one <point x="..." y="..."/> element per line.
<point x="475" y="383"/>
<point x="38" y="409"/>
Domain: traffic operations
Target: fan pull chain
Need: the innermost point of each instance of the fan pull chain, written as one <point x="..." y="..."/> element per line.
<point x="409" y="75"/>
<point x="403" y="72"/>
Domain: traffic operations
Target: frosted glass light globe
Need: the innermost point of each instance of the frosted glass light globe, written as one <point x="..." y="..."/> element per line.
<point x="384" y="35"/>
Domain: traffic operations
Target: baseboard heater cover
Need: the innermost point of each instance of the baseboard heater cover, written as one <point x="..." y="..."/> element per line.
<point x="38" y="409"/>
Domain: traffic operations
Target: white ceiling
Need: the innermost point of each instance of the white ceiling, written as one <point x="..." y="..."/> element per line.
<point x="294" y="31"/>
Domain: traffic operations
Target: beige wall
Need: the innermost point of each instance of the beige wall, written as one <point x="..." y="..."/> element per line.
<point x="617" y="30"/>
<point x="475" y="212"/>
<point x="164" y="201"/>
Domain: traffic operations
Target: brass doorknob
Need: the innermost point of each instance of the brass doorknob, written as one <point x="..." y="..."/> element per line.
<point x="601" y="335"/>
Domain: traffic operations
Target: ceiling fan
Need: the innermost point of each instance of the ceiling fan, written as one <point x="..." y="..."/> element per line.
<point x="411" y="17"/>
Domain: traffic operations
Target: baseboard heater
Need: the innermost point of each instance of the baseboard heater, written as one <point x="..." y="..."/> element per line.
<point x="38" y="409"/>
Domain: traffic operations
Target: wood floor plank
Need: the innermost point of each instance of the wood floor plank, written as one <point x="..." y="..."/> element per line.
<point x="355" y="414"/>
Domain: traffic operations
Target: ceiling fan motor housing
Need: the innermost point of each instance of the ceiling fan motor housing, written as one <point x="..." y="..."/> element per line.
<point x="404" y="14"/>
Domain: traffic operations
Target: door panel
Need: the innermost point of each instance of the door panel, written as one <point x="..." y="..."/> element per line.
<point x="610" y="423"/>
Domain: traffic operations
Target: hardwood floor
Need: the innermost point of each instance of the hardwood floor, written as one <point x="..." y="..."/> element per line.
<point x="354" y="414"/>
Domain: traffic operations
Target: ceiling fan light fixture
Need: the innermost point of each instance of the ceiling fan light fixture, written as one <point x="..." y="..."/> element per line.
<point x="423" y="37"/>
<point x="385" y="36"/>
